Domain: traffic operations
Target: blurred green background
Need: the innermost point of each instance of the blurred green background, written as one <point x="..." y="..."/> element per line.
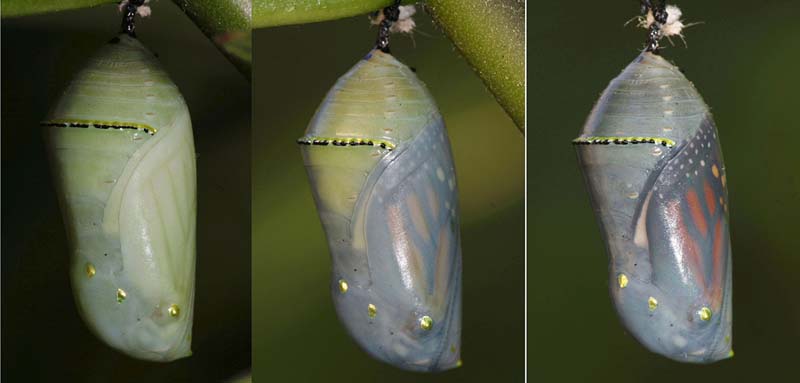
<point x="297" y="336"/>
<point x="44" y="340"/>
<point x="744" y="61"/>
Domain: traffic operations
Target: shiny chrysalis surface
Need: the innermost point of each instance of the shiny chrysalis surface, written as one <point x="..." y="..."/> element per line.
<point x="379" y="161"/>
<point x="122" y="153"/>
<point x="651" y="158"/>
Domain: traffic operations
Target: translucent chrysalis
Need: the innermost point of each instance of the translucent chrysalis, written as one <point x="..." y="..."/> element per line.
<point x="381" y="170"/>
<point x="653" y="166"/>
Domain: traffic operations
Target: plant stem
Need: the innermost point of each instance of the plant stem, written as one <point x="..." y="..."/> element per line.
<point x="224" y="22"/>
<point x="490" y="34"/>
<point x="272" y="13"/>
<point x="227" y="24"/>
<point x="14" y="8"/>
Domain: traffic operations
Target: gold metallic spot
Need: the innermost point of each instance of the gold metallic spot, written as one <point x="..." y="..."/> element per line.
<point x="174" y="310"/>
<point x="723" y="180"/>
<point x="90" y="271"/>
<point x="426" y="323"/>
<point x="730" y="354"/>
<point x="343" y="286"/>
<point x="727" y="338"/>
<point x="715" y="171"/>
<point x="121" y="295"/>
<point x="652" y="303"/>
<point x="623" y="280"/>
<point x="705" y="313"/>
<point x="453" y="348"/>
<point x="459" y="363"/>
<point x="372" y="310"/>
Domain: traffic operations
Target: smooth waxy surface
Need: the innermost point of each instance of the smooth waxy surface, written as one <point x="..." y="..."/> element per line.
<point x="390" y="214"/>
<point x="663" y="209"/>
<point x="128" y="197"/>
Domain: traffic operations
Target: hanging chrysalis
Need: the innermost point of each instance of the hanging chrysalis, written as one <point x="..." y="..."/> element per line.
<point x="122" y="152"/>
<point x="651" y="158"/>
<point x="379" y="162"/>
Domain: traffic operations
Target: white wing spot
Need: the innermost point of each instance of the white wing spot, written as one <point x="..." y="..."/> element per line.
<point x="440" y="174"/>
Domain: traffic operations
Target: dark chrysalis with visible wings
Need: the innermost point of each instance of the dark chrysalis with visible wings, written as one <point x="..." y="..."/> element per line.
<point x="381" y="170"/>
<point x="653" y="166"/>
<point x="122" y="153"/>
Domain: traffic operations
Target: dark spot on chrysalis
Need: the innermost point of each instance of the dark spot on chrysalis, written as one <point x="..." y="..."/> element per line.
<point x="105" y="254"/>
<point x="413" y="69"/>
<point x="115" y="40"/>
<point x="355" y="269"/>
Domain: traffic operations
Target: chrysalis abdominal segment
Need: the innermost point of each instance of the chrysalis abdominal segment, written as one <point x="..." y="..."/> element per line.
<point x="382" y="176"/>
<point x="122" y="153"/>
<point x="662" y="209"/>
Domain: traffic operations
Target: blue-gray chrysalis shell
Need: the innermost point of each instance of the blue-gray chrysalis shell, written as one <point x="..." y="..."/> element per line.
<point x="123" y="159"/>
<point x="651" y="157"/>
<point x="381" y="170"/>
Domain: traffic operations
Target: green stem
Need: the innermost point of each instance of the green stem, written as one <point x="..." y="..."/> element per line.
<point x="225" y="22"/>
<point x="490" y="34"/>
<point x="272" y="13"/>
<point x="15" y="8"/>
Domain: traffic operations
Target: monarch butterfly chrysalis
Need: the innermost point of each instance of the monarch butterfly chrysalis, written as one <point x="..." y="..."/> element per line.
<point x="653" y="166"/>
<point x="379" y="162"/>
<point x="122" y="152"/>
